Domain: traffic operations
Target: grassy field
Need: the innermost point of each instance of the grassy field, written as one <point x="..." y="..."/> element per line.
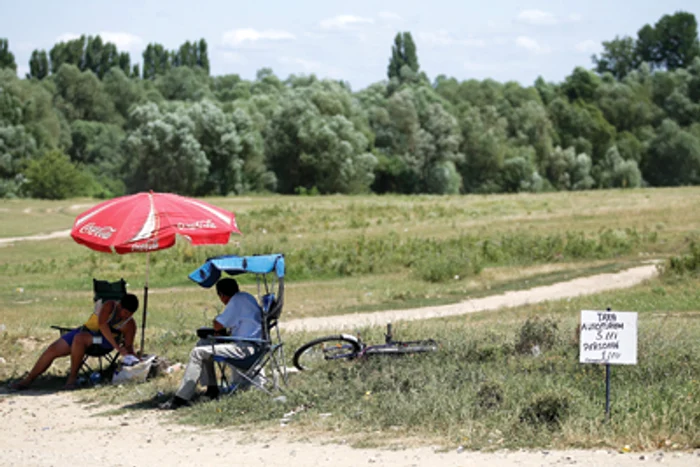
<point x="360" y="254"/>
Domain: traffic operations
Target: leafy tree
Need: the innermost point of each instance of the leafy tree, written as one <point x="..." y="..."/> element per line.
<point x="312" y="141"/>
<point x="98" y="148"/>
<point x="484" y="135"/>
<point x="32" y="105"/>
<point x="266" y="83"/>
<point x="17" y="148"/>
<point x="162" y="152"/>
<point x="7" y="58"/>
<point x="547" y="91"/>
<point x="218" y="138"/>
<point x="88" y="53"/>
<point x="256" y="175"/>
<point x="443" y="178"/>
<point x="568" y="171"/>
<point x="619" y="57"/>
<point x="403" y="53"/>
<point x="581" y="84"/>
<point x="38" y="65"/>
<point x="81" y="96"/>
<point x="629" y="147"/>
<point x="673" y="157"/>
<point x="677" y="37"/>
<point x="582" y="126"/>
<point x="615" y="172"/>
<point x="647" y="46"/>
<point x="228" y="88"/>
<point x="156" y="61"/>
<point x="518" y="172"/>
<point x="184" y="84"/>
<point x="626" y="105"/>
<point x="192" y="54"/>
<point x="203" y="55"/>
<point x="54" y="176"/>
<point x="123" y="91"/>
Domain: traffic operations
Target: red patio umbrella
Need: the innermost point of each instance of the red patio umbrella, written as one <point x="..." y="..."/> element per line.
<point x="147" y="222"/>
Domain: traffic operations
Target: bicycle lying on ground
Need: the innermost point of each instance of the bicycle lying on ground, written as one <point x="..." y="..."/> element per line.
<point x="348" y="347"/>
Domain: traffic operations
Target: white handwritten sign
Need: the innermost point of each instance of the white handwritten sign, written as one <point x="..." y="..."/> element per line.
<point x="608" y="337"/>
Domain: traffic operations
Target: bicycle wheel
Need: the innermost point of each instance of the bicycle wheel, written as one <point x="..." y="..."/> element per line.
<point x="314" y="353"/>
<point x="402" y="348"/>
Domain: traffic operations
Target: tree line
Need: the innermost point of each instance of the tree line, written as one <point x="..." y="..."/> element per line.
<point x="86" y="121"/>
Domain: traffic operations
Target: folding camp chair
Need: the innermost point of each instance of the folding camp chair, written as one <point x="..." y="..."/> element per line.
<point x="237" y="373"/>
<point x="107" y="359"/>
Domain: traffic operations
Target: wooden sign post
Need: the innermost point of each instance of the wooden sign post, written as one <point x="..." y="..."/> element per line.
<point x="608" y="337"/>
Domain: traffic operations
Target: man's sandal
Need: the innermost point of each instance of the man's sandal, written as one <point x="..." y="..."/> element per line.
<point x="18" y="386"/>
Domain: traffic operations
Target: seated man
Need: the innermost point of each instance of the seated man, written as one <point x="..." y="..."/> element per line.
<point x="110" y="318"/>
<point x="243" y="318"/>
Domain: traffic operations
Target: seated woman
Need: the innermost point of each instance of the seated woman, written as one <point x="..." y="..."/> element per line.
<point x="101" y="328"/>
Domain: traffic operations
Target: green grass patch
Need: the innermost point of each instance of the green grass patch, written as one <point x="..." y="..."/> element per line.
<point x="484" y="389"/>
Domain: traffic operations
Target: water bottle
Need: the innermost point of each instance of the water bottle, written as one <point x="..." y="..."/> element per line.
<point x="95" y="378"/>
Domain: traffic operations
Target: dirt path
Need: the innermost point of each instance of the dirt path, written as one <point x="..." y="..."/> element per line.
<point x="49" y="236"/>
<point x="45" y="429"/>
<point x="573" y="288"/>
<point x="42" y="429"/>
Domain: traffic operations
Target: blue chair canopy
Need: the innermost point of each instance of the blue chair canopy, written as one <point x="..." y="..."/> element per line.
<point x="209" y="273"/>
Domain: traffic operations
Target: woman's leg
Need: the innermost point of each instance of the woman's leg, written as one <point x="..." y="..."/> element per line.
<point x="81" y="342"/>
<point x="59" y="348"/>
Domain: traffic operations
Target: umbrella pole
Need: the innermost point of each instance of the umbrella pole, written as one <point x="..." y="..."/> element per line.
<point x="145" y="304"/>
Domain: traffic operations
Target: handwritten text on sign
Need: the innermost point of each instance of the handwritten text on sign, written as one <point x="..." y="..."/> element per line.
<point x="608" y="337"/>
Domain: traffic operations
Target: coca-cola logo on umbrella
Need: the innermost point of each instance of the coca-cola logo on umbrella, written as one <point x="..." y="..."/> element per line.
<point x="149" y="245"/>
<point x="203" y="224"/>
<point x="98" y="231"/>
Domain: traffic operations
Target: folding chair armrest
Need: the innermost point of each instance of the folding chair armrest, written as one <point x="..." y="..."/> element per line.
<point x="258" y="343"/>
<point x="246" y="340"/>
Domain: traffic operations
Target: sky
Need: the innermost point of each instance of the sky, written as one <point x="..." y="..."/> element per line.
<point x="505" y="40"/>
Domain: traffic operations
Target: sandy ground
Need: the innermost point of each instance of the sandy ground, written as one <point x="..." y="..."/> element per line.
<point x="52" y="429"/>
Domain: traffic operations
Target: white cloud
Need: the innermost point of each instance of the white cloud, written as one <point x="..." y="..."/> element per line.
<point x="237" y="37"/>
<point x="588" y="46"/>
<point x="67" y="36"/>
<point x="123" y="40"/>
<point x="528" y="43"/>
<point x="344" y="21"/>
<point x="389" y="16"/>
<point x="444" y="38"/>
<point x="537" y="17"/>
<point x="545" y="18"/>
<point x="313" y="35"/>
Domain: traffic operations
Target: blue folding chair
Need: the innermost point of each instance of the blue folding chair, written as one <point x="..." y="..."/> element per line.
<point x="235" y="373"/>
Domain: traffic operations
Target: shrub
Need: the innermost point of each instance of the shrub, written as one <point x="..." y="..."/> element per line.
<point x="536" y="333"/>
<point x="548" y="409"/>
<point x="54" y="176"/>
<point x="684" y="264"/>
<point x="489" y="396"/>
